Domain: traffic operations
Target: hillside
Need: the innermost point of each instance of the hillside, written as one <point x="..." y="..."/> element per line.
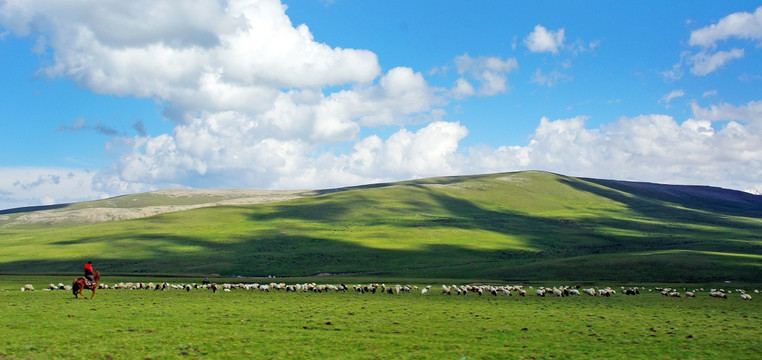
<point x="513" y="226"/>
<point x="139" y="206"/>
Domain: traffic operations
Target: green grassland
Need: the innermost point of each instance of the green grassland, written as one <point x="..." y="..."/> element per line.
<point x="515" y="226"/>
<point x="144" y="324"/>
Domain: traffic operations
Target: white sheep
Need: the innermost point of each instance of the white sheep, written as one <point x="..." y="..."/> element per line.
<point x="446" y="290"/>
<point x="745" y="297"/>
<point x="28" y="287"/>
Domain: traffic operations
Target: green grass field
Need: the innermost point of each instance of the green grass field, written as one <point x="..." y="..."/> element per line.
<point x="517" y="226"/>
<point x="144" y="324"/>
<point x="509" y="226"/>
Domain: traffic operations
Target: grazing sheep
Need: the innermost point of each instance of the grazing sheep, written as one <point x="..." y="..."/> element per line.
<point x="522" y="292"/>
<point x="540" y="292"/>
<point x="674" y="294"/>
<point x="28" y="287"/>
<point x="188" y="288"/>
<point x="607" y="292"/>
<point x="214" y="287"/>
<point x="745" y="297"/>
<point x="52" y="287"/>
<point x="558" y="292"/>
<point x="690" y="294"/>
<point x="446" y="290"/>
<point x="630" y="291"/>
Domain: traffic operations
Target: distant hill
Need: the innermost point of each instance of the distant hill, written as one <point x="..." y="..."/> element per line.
<point x="140" y="205"/>
<point x="511" y="226"/>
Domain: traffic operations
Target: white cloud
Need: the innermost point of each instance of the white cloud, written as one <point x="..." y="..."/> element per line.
<point x="705" y="62"/>
<point x="648" y="148"/>
<point x="462" y="89"/>
<point x="741" y="25"/>
<point x="672" y="95"/>
<point x="167" y="161"/>
<point x="29" y="186"/>
<point x="749" y="113"/>
<point x="490" y="72"/>
<point x="551" y="79"/>
<point x="709" y="93"/>
<point x="544" y="40"/>
<point x="196" y="56"/>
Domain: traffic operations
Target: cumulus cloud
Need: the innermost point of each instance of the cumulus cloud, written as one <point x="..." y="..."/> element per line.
<point x="749" y="113"/>
<point x="214" y="56"/>
<point x="490" y="72"/>
<point x="27" y="186"/>
<point x="544" y="40"/>
<point x="647" y="147"/>
<point x="742" y="25"/>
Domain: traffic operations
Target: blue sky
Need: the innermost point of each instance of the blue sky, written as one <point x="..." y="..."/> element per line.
<point x="107" y="98"/>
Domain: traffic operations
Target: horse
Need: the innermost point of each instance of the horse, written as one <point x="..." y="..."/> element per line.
<point x="81" y="283"/>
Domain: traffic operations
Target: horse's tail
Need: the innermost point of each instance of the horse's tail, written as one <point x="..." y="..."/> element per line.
<point x="74" y="287"/>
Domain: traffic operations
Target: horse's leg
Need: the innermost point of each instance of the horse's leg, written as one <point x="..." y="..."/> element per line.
<point x="93" y="295"/>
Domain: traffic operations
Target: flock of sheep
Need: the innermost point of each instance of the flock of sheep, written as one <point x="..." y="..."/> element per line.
<point x="495" y="290"/>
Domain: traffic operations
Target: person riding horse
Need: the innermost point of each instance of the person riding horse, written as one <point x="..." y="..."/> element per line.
<point x="89" y="273"/>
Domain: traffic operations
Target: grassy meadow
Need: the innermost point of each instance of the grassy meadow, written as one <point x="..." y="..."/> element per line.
<point x="531" y="228"/>
<point x="145" y="324"/>
<point x="515" y="227"/>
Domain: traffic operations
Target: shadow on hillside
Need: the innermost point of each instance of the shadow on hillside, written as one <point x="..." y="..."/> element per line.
<point x="671" y="208"/>
<point x="705" y="198"/>
<point x="33" y="208"/>
<point x="565" y="249"/>
<point x="300" y="256"/>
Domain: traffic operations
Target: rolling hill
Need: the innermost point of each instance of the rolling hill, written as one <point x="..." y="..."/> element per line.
<point x="511" y="226"/>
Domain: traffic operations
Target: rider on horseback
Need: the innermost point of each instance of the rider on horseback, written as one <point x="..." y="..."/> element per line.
<point x="89" y="273"/>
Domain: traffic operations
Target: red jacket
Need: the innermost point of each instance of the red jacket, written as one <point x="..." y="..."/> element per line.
<point x="89" y="267"/>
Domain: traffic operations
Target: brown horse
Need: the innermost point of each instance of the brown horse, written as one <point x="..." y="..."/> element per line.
<point x="81" y="283"/>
